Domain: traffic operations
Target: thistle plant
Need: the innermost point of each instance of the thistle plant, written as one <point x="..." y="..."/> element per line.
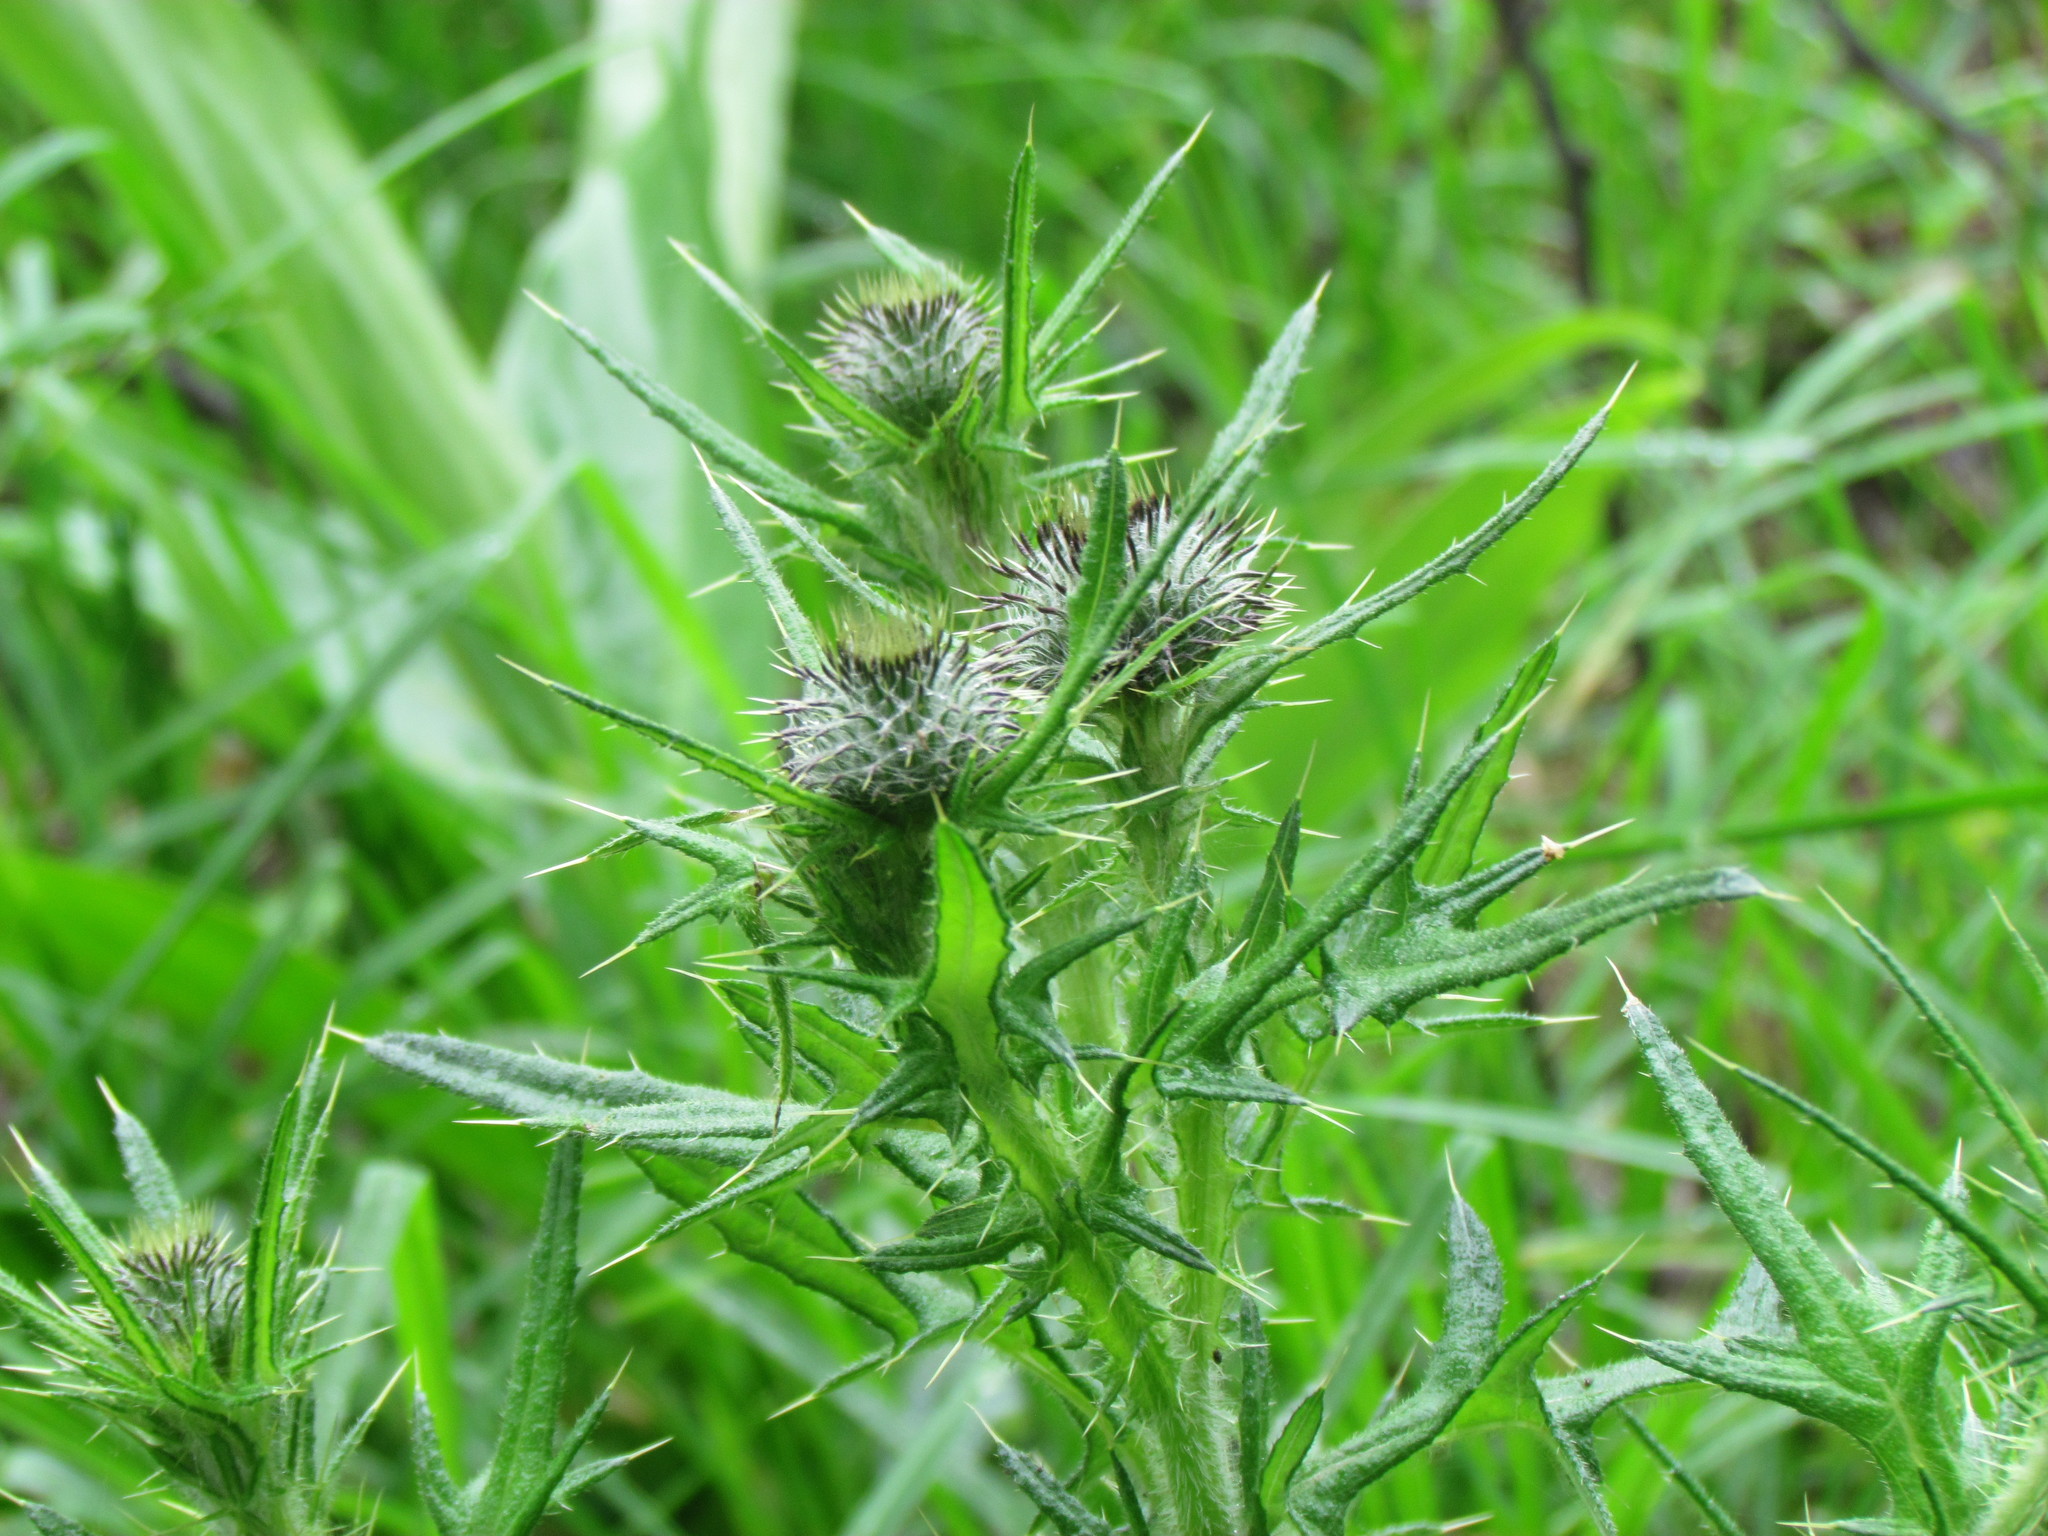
<point x="1935" y="1375"/>
<point x="201" y="1346"/>
<point x="987" y="948"/>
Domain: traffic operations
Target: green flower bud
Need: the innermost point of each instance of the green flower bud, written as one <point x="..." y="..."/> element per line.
<point x="1213" y="592"/>
<point x="896" y="718"/>
<point x="184" y="1279"/>
<point x="909" y="349"/>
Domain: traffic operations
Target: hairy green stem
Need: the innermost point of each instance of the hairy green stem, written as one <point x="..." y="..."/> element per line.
<point x="1192" y="1493"/>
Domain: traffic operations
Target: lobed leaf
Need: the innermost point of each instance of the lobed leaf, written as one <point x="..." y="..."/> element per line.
<point x="1116" y="1207"/>
<point x="608" y="1106"/>
<point x="983" y="1230"/>
<point x="1464" y="1355"/>
<point x="1383" y="979"/>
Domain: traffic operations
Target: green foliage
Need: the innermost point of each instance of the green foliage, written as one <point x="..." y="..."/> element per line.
<point x="245" y="454"/>
<point x="206" y="1350"/>
<point x="965" y="811"/>
<point x="1858" y="1355"/>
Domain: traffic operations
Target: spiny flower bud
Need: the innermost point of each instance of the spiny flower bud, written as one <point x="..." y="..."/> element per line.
<point x="184" y="1279"/>
<point x="909" y="348"/>
<point x="896" y="717"/>
<point x="1213" y="592"/>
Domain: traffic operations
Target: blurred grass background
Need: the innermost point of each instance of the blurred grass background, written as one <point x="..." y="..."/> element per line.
<point x="286" y="462"/>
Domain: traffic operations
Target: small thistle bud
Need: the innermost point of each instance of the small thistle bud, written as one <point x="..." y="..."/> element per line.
<point x="909" y="348"/>
<point x="896" y="718"/>
<point x="1213" y="592"/>
<point x="184" y="1279"/>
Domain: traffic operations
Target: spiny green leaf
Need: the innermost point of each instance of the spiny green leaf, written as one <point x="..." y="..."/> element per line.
<point x="1239" y="452"/>
<point x="90" y="1255"/>
<point x="1066" y="1514"/>
<point x="1238" y="683"/>
<point x="1824" y="1308"/>
<point x="1995" y="1095"/>
<point x="277" y="1228"/>
<point x="1224" y="1084"/>
<point x="1076" y="298"/>
<point x="1782" y="1374"/>
<point x="149" y="1176"/>
<point x="1511" y="1394"/>
<point x="1105" y="555"/>
<point x="1013" y="395"/>
<point x="452" y="1507"/>
<point x="1384" y="980"/>
<point x="1941" y="1274"/>
<point x="1267" y="914"/>
<point x="719" y="443"/>
<point x="1221" y="1021"/>
<point x="790" y="1236"/>
<point x="607" y="1106"/>
<point x="1996" y="1252"/>
<point x="49" y="1523"/>
<point x="517" y="1487"/>
<point x="1466" y="1352"/>
<point x="979" y="1231"/>
<point x="1710" y="1508"/>
<point x="901" y="253"/>
<point x="1023" y="1003"/>
<point x="815" y="381"/>
<point x="797" y="633"/>
<point x="1449" y="854"/>
<point x="843" y="1057"/>
<point x="1117" y="1207"/>
<point x="741" y="772"/>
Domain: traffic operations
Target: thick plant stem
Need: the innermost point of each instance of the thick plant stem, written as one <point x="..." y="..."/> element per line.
<point x="1206" y="1195"/>
<point x="1164" y="827"/>
<point x="1190" y="1487"/>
